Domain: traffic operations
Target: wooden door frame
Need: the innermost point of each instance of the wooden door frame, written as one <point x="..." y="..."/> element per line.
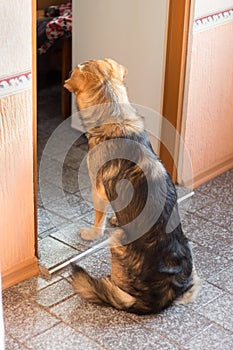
<point x="34" y="124"/>
<point x="174" y="80"/>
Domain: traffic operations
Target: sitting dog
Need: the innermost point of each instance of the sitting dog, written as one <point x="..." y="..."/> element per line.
<point x="152" y="265"/>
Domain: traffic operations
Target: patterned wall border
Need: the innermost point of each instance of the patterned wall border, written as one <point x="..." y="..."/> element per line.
<point x="213" y="20"/>
<point x="15" y="83"/>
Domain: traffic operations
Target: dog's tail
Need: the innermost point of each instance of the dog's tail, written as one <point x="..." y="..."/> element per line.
<point x="100" y="290"/>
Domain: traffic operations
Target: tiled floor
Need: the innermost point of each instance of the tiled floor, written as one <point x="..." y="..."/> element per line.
<point x="46" y="314"/>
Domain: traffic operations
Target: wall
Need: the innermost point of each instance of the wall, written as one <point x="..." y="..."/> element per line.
<point x="207" y="118"/>
<point x="132" y="32"/>
<point x="17" y="239"/>
<point x="206" y="7"/>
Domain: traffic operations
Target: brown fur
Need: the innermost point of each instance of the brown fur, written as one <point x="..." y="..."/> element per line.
<point x="152" y="270"/>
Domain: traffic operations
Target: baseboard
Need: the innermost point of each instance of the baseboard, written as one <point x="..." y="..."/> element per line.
<point x="20" y="272"/>
<point x="209" y="174"/>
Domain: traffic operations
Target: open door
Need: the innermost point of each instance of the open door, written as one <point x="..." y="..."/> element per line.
<point x="171" y="86"/>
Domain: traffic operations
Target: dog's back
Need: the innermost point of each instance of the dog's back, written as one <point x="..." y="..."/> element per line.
<point x="151" y="259"/>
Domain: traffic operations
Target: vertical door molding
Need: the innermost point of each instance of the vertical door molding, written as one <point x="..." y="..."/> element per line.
<point x="34" y="116"/>
<point x="177" y="42"/>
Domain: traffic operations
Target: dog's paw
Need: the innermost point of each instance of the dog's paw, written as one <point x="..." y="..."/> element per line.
<point x="91" y="233"/>
<point x="113" y="221"/>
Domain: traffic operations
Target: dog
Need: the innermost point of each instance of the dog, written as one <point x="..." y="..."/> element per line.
<point x="152" y="264"/>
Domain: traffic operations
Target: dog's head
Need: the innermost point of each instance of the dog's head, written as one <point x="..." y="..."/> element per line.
<point x="90" y="76"/>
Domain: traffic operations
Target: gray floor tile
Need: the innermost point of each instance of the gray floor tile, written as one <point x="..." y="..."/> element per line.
<point x="206" y="295"/>
<point x="177" y="323"/>
<point x="31" y="286"/>
<point x="223" y="279"/>
<point x="11" y="298"/>
<point x="73" y="180"/>
<point x="49" y="193"/>
<point x="70" y="207"/>
<point x="111" y="328"/>
<point x="103" y="255"/>
<point x="70" y="235"/>
<point x="133" y="337"/>
<point x="209" y="235"/>
<point x="11" y="344"/>
<point x="213" y="338"/>
<point x="208" y="263"/>
<point x="27" y="320"/>
<point x="48" y="220"/>
<point x="219" y="311"/>
<point x="218" y="213"/>
<point x="75" y="156"/>
<point x="54" y="293"/>
<point x="90" y="319"/>
<point x="52" y="252"/>
<point x="62" y="337"/>
<point x="199" y="201"/>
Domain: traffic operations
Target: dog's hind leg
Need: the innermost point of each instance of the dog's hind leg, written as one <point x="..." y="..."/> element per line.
<point x="191" y="294"/>
<point x="100" y="290"/>
<point x="100" y="209"/>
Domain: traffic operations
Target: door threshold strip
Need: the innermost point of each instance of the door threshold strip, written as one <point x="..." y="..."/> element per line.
<point x="47" y="273"/>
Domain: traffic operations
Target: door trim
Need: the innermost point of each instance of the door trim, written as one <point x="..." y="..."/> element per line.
<point x="174" y="81"/>
<point x="34" y="120"/>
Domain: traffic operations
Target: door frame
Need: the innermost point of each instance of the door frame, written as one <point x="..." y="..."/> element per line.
<point x="173" y="91"/>
<point x="174" y="80"/>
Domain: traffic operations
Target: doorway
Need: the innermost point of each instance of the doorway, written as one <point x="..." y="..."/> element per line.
<point x="58" y="232"/>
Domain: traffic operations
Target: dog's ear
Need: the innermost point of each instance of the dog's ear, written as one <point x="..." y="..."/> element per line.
<point x="118" y="71"/>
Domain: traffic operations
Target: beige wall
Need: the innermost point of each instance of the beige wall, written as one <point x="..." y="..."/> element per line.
<point x="207" y="117"/>
<point x="132" y="32"/>
<point x="15" y="36"/>
<point x="205" y="7"/>
<point x="17" y="241"/>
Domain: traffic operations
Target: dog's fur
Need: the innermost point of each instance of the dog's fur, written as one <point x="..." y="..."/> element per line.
<point x="155" y="269"/>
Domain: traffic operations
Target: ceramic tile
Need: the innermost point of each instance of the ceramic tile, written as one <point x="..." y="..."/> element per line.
<point x="209" y="235"/>
<point x="103" y="255"/>
<point x="11" y="298"/>
<point x="88" y="318"/>
<point x="213" y="338"/>
<point x="220" y="188"/>
<point x="199" y="201"/>
<point x="26" y="320"/>
<point x="54" y="293"/>
<point x="12" y="344"/>
<point x="208" y="263"/>
<point x="70" y="235"/>
<point x="219" y="311"/>
<point x="31" y="286"/>
<point x="53" y="252"/>
<point x="70" y="207"/>
<point x="48" y="220"/>
<point x="133" y="337"/>
<point x="176" y="323"/>
<point x="49" y="193"/>
<point x="206" y="295"/>
<point x="75" y="156"/>
<point x="111" y="328"/>
<point x="218" y="213"/>
<point x="62" y="337"/>
<point x="223" y="279"/>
